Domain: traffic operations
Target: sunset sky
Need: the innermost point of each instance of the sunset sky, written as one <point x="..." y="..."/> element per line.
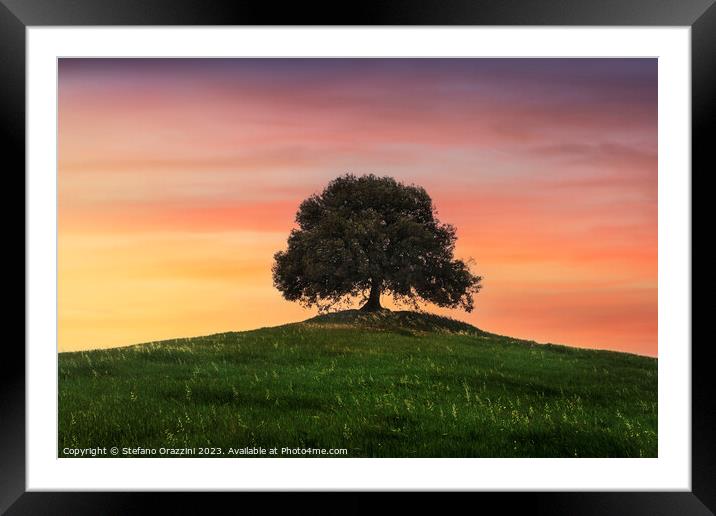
<point x="178" y="179"/>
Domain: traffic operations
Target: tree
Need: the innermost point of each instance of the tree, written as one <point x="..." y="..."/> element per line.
<point x="365" y="236"/>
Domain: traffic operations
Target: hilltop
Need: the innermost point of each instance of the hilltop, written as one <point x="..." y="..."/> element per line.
<point x="386" y="384"/>
<point x="403" y="322"/>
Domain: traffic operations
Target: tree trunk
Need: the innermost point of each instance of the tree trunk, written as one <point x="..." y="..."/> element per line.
<point x="373" y="303"/>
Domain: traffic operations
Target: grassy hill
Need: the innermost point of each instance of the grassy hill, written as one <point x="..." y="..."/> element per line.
<point x="392" y="384"/>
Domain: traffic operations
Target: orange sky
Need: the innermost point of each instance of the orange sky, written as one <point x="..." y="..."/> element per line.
<point x="179" y="179"/>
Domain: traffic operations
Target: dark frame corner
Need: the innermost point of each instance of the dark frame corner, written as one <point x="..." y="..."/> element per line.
<point x="17" y="15"/>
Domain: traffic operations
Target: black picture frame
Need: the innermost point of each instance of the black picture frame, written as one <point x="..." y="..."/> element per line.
<point x="17" y="15"/>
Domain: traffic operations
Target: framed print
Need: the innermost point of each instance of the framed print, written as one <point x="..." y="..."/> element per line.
<point x="436" y="251"/>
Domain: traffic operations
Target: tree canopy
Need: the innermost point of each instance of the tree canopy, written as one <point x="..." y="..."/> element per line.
<point x="364" y="236"/>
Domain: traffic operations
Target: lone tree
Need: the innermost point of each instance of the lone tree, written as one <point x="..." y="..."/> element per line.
<point x="368" y="235"/>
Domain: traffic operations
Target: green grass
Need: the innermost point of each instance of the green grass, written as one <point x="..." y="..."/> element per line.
<point x="389" y="385"/>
